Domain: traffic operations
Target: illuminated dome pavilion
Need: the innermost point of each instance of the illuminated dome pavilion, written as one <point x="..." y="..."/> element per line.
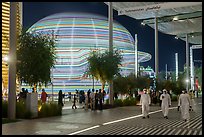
<point x="77" y="34"/>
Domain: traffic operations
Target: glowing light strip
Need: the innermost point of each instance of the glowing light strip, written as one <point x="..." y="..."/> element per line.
<point x="84" y="130"/>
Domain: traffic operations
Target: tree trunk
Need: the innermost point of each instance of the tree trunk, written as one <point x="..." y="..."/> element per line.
<point x="103" y="86"/>
<point x="111" y="92"/>
<point x="35" y="88"/>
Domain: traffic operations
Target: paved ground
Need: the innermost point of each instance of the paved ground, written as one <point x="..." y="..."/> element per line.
<point x="116" y="121"/>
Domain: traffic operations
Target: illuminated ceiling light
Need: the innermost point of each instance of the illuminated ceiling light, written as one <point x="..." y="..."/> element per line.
<point x="142" y="23"/>
<point x="175" y="18"/>
<point x="192" y="36"/>
<point x="6" y="59"/>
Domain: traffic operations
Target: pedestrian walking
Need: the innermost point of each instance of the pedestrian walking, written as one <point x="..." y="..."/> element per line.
<point x="92" y="100"/>
<point x="160" y="101"/>
<point x="145" y="101"/>
<point x="100" y="98"/>
<point x="86" y="101"/>
<point x="60" y="96"/>
<point x="88" y="94"/>
<point x="33" y="90"/>
<point x="184" y="104"/>
<point x="83" y="99"/>
<point x="196" y="93"/>
<point x="43" y="96"/>
<point x="74" y="102"/>
<point x="154" y="98"/>
<point x="170" y="93"/>
<point x="104" y="94"/>
<point x="77" y="95"/>
<point x="22" y="95"/>
<point x="69" y="96"/>
<point x="96" y="100"/>
<point x="192" y="97"/>
<point x="166" y="103"/>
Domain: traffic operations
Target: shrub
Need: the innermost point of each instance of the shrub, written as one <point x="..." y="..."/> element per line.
<point x="55" y="109"/>
<point x="4" y="109"/>
<point x="107" y="101"/>
<point x="130" y="101"/>
<point x="44" y="111"/>
<point x="126" y="102"/>
<point x="108" y="106"/>
<point x="50" y="109"/>
<point x="137" y="98"/>
<point x="118" y="102"/>
<point x="6" y="120"/>
<point x="28" y="114"/>
<point x="20" y="109"/>
<point x="174" y="98"/>
<point x="133" y="101"/>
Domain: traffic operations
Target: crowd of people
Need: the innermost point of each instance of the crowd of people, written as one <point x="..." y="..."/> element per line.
<point x="94" y="100"/>
<point x="22" y="95"/>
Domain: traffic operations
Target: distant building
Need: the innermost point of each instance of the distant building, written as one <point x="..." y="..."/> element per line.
<point x="148" y="71"/>
<point x="5" y="38"/>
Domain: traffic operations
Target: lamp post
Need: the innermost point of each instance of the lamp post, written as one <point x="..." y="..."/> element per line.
<point x="166" y="73"/>
<point x="192" y="77"/>
<point x="53" y="36"/>
<point x="176" y="60"/>
<point x="187" y="81"/>
<point x="52" y="85"/>
<point x="187" y="61"/>
<point x="136" y="57"/>
<point x="93" y="81"/>
<point x="156" y="47"/>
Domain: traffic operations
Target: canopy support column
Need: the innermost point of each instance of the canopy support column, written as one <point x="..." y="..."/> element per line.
<point x="110" y="22"/>
<point x="156" y="47"/>
<point x="12" y="62"/>
<point x="187" y="62"/>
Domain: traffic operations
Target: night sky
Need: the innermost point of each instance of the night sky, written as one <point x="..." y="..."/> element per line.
<point x="168" y="45"/>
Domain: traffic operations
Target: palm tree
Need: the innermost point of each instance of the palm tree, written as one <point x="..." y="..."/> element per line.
<point x="104" y="66"/>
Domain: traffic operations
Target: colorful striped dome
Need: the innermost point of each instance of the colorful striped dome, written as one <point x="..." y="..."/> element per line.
<point x="76" y="35"/>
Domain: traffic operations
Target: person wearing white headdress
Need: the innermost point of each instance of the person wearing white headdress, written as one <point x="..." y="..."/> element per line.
<point x="166" y="103"/>
<point x="184" y="103"/>
<point x="145" y="101"/>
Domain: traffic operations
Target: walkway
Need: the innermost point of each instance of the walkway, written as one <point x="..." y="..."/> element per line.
<point x="116" y="121"/>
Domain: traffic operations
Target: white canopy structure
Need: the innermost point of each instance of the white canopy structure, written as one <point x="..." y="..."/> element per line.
<point x="182" y="19"/>
<point x="174" y="18"/>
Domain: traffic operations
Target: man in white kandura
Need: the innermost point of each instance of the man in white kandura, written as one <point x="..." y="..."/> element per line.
<point x="145" y="101"/>
<point x="166" y="103"/>
<point x="185" y="103"/>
